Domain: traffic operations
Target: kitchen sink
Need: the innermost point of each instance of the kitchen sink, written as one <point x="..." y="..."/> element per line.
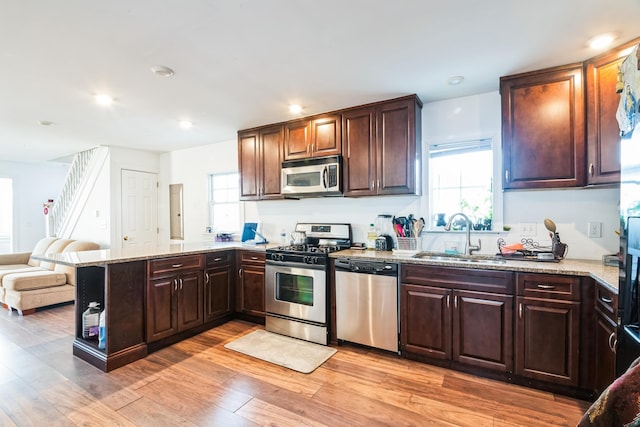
<point x="477" y="259"/>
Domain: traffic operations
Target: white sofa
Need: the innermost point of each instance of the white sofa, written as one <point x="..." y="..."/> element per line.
<point x="27" y="284"/>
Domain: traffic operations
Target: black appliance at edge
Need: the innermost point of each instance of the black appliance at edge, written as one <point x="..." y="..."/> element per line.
<point x="628" y="115"/>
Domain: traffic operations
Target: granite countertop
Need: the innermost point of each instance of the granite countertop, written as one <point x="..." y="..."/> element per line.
<point x="120" y="255"/>
<point x="604" y="274"/>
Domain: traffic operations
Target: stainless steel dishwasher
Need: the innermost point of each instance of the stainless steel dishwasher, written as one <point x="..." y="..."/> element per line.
<point x="367" y="303"/>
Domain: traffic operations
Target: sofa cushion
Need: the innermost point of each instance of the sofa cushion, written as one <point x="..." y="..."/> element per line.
<point x="40" y="249"/>
<point x="55" y="248"/>
<point x="17" y="270"/>
<point x="81" y="245"/>
<point x="7" y="267"/>
<point x="33" y="280"/>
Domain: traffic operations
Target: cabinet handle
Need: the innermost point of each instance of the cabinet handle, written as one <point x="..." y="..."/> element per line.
<point x="378" y="183"/>
<point x="254" y="258"/>
<point x="448" y="301"/>
<point x="455" y="302"/>
<point x="176" y="265"/>
<point x="180" y="284"/>
<point x="506" y="175"/>
<point x="217" y="259"/>
<point x="175" y="285"/>
<point x="606" y="300"/>
<point x="591" y="169"/>
<point x="206" y="277"/>
<point x="541" y="286"/>
<point x="313" y="148"/>
<point x="612" y="345"/>
<point x="520" y="310"/>
<point x="240" y="273"/>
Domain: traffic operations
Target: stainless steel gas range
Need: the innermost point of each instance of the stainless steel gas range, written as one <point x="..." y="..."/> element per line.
<point x="296" y="297"/>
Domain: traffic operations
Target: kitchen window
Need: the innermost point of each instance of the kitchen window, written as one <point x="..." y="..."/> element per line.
<point x="224" y="202"/>
<point x="461" y="177"/>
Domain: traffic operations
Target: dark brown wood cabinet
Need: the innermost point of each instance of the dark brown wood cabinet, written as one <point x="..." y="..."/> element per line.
<point x="460" y="315"/>
<point x="260" y="162"/>
<point x="250" y="288"/>
<point x="312" y="137"/>
<point x="219" y="283"/>
<point x="603" y="133"/>
<point x="548" y="328"/>
<point x="381" y="148"/>
<point x="174" y="295"/>
<point x="543" y="128"/>
<point x="606" y="314"/>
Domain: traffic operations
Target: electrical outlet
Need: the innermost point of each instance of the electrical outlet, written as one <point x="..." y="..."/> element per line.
<point x="595" y="229"/>
<point x="528" y="229"/>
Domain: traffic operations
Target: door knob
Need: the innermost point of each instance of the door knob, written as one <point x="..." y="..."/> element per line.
<point x="125" y="238"/>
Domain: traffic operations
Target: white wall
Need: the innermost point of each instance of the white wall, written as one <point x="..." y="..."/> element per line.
<point x="451" y="120"/>
<point x="33" y="184"/>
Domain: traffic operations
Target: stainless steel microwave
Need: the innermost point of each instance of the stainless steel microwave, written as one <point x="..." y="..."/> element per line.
<point x="316" y="176"/>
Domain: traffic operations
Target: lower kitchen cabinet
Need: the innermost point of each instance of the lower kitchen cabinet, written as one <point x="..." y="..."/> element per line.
<point x="548" y="328"/>
<point x="250" y="288"/>
<point x="218" y="285"/>
<point x="606" y="313"/>
<point x="444" y="319"/>
<point x="174" y="295"/>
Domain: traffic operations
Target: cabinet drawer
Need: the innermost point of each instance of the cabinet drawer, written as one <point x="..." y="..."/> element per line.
<point x="251" y="256"/>
<point x="548" y="286"/>
<point x="168" y="266"/>
<point x="219" y="258"/>
<point x="607" y="301"/>
<point x="494" y="281"/>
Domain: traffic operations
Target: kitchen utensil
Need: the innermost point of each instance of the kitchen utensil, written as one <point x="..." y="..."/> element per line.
<point x="551" y="226"/>
<point x="399" y="230"/>
<point x="384" y="243"/>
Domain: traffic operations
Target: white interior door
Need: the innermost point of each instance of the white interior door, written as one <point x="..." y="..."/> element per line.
<point x="139" y="209"/>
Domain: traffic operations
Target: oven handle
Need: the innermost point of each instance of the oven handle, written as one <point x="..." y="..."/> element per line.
<point x="282" y="265"/>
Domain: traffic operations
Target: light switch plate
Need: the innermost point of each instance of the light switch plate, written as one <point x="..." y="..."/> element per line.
<point x="595" y="229"/>
<point x="528" y="229"/>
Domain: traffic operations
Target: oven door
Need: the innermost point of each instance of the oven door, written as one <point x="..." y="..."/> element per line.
<point x="296" y="291"/>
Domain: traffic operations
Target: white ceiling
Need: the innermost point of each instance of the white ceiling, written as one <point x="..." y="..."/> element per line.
<point x="239" y="63"/>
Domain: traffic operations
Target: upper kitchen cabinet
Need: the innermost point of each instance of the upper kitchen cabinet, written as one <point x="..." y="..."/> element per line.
<point x="543" y="137"/>
<point x="260" y="162"/>
<point x="603" y="134"/>
<point x="312" y="137"/>
<point x="381" y="148"/>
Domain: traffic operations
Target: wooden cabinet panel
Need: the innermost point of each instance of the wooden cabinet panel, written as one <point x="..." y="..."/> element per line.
<point x="381" y="143"/>
<point x="219" y="286"/>
<point x="190" y="303"/>
<point x="326" y="135"/>
<point x="297" y="139"/>
<point x="482" y="330"/>
<point x="605" y="357"/>
<point x="547" y="340"/>
<point x="603" y="133"/>
<point x="359" y="150"/>
<point x="161" y="306"/>
<point x="548" y="286"/>
<point x="425" y="321"/>
<point x="251" y="282"/>
<point x="170" y="266"/>
<point x="543" y="124"/>
<point x="260" y="162"/>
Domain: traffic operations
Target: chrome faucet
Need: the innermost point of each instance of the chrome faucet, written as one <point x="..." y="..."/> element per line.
<point x="469" y="248"/>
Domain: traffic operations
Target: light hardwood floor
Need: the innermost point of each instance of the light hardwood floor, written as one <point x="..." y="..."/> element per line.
<point x="198" y="382"/>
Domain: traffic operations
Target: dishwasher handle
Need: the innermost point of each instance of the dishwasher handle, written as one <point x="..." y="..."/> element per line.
<point x="366" y="267"/>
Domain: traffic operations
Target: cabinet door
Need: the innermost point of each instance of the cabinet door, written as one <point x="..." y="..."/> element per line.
<point x="190" y="303"/>
<point x="603" y="134"/>
<point x="359" y="153"/>
<point x="252" y="290"/>
<point x="425" y="321"/>
<point x="543" y="128"/>
<point x="605" y="351"/>
<point x="398" y="156"/>
<point x="217" y="292"/>
<point x="248" y="164"/>
<point x="547" y="340"/>
<point x="297" y="139"/>
<point x="326" y="135"/>
<point x="482" y="330"/>
<point x="161" y="308"/>
<point x="271" y="162"/>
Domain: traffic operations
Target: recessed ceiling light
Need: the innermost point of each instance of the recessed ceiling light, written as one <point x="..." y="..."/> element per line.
<point x="185" y="124"/>
<point x="602" y="41"/>
<point x="45" y="122"/>
<point x="455" y="80"/>
<point x="161" y="70"/>
<point x="295" y="108"/>
<point x="103" y="99"/>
